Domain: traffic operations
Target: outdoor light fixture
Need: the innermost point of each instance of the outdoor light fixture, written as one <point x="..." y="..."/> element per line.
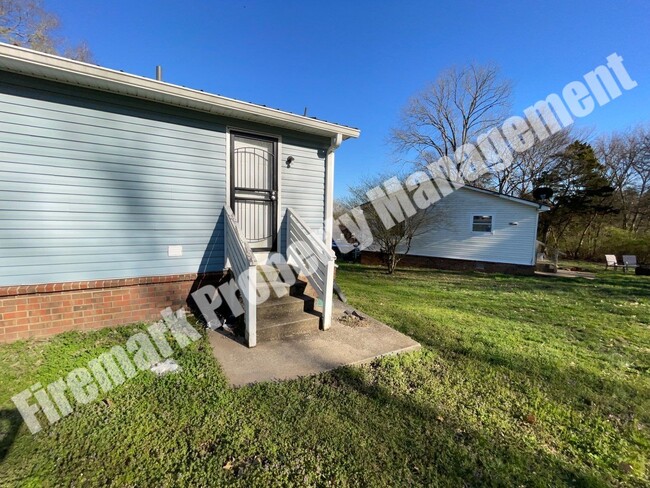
<point x="514" y="223"/>
<point x="290" y="160"/>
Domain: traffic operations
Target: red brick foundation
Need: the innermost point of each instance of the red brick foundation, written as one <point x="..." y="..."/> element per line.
<point x="368" y="257"/>
<point x="45" y="310"/>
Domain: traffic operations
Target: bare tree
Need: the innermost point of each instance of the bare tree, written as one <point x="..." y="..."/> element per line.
<point x="519" y="178"/>
<point x="626" y="156"/>
<point x="392" y="242"/>
<point x="640" y="179"/>
<point x="26" y="23"/>
<point x="80" y="52"/>
<point x="460" y="105"/>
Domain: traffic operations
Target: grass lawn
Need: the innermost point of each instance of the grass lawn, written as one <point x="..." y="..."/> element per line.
<point x="521" y="381"/>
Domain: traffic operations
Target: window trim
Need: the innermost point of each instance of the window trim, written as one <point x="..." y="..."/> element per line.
<point x="481" y="232"/>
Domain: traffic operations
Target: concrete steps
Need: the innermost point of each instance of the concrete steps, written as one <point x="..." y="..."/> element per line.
<point x="275" y="308"/>
<point x="287" y="327"/>
<point x="287" y="311"/>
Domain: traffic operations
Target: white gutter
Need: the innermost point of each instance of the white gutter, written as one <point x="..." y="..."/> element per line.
<point x="46" y="66"/>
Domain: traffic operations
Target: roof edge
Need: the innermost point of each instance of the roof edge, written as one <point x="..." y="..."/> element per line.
<point x="523" y="201"/>
<point x="56" y="68"/>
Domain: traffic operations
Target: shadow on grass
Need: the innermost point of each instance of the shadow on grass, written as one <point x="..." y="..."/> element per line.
<point x="575" y="386"/>
<point x="450" y="449"/>
<point x="563" y="383"/>
<point x="10" y="421"/>
<point x="610" y="287"/>
<point x="367" y="268"/>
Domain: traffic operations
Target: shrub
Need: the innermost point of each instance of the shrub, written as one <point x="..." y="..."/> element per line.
<point x="619" y="242"/>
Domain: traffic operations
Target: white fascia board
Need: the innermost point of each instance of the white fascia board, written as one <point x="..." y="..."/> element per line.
<point x="46" y="66"/>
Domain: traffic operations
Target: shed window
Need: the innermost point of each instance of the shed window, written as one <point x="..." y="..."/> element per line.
<point x="482" y="223"/>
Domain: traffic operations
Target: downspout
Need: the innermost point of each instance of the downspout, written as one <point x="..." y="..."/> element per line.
<point x="329" y="188"/>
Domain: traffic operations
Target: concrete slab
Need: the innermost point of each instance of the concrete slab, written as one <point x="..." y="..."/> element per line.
<point x="308" y="354"/>
<point x="566" y="273"/>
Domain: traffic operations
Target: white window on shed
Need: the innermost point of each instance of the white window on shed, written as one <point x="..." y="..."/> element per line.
<point x="482" y="223"/>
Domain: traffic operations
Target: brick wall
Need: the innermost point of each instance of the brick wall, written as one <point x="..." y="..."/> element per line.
<point x="369" y="257"/>
<point x="48" y="309"/>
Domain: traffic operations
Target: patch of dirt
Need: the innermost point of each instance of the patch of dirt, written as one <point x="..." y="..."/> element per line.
<point x="352" y="318"/>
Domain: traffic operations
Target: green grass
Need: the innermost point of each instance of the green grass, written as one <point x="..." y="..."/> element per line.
<point x="521" y="381"/>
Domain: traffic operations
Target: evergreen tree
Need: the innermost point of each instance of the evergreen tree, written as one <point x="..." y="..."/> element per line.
<point x="582" y="193"/>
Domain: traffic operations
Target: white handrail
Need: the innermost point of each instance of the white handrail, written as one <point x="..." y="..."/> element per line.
<point x="314" y="259"/>
<point x="241" y="261"/>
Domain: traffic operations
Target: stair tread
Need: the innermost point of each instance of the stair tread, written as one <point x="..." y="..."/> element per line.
<point x="285" y="300"/>
<point x="262" y="282"/>
<point x="274" y="266"/>
<point x="278" y="289"/>
<point x="265" y="270"/>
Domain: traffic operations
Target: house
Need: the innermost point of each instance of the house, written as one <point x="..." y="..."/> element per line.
<point x="475" y="229"/>
<point x="120" y="195"/>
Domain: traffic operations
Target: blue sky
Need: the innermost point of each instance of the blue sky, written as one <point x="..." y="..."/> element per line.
<point x="358" y="62"/>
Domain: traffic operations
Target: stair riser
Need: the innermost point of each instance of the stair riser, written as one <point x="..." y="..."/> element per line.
<point x="288" y="330"/>
<point x="279" y="291"/>
<point x="272" y="312"/>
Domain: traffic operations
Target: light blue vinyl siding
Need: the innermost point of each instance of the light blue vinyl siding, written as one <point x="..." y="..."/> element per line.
<point x="97" y="187"/>
<point x="302" y="185"/>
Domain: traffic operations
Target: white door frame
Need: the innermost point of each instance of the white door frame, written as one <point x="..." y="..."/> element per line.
<point x="278" y="169"/>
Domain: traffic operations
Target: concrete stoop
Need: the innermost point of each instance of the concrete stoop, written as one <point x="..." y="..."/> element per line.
<point x="307" y="354"/>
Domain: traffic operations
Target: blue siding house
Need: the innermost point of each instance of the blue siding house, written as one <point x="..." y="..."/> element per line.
<point x="115" y="185"/>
